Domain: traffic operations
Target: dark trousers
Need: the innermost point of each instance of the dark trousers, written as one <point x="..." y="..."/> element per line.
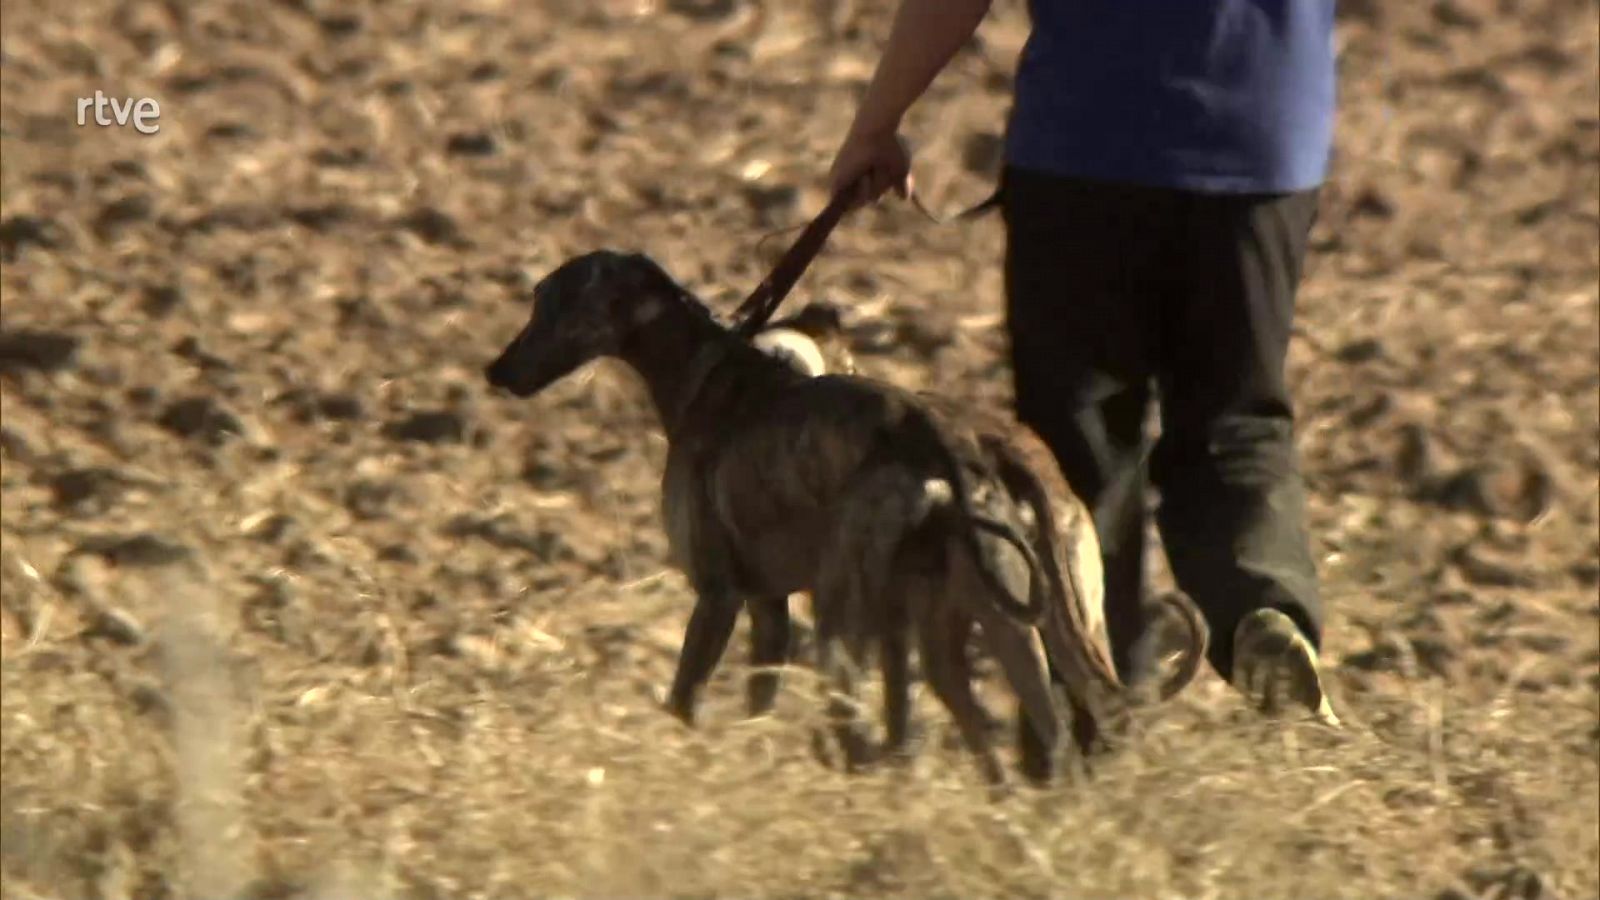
<point x="1114" y="289"/>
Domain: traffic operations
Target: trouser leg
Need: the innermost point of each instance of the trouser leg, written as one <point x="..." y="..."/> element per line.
<point x="1232" y="514"/>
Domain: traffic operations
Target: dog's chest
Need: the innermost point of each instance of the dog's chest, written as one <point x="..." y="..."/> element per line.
<point x="680" y="506"/>
<point x="753" y="508"/>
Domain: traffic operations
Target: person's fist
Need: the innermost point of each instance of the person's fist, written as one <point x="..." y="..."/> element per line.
<point x="867" y="165"/>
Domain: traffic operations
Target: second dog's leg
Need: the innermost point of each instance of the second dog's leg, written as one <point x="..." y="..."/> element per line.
<point x="769" y="647"/>
<point x="716" y="611"/>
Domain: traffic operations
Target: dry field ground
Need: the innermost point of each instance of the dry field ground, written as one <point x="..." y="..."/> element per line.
<point x="295" y="608"/>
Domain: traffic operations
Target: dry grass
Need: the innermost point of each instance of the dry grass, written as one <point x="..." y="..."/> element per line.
<point x="375" y="782"/>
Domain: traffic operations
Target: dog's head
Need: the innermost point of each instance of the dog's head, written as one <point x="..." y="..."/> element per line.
<point x="582" y="311"/>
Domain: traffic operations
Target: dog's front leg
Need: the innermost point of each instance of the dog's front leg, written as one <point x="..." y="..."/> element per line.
<point x="769" y="648"/>
<point x="716" y="610"/>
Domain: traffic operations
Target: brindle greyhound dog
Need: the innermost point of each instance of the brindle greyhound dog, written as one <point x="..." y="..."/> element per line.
<point x="778" y="483"/>
<point x="814" y="341"/>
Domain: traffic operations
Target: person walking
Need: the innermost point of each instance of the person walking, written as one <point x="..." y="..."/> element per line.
<point x="1162" y="167"/>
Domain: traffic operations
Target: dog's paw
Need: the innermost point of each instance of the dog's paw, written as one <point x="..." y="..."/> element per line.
<point x="903" y="751"/>
<point x="823" y="750"/>
<point x="846" y="750"/>
<point x="761" y="695"/>
<point x="681" y="709"/>
<point x="1038" y="770"/>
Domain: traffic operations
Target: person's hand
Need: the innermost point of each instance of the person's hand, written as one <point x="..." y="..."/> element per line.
<point x="868" y="164"/>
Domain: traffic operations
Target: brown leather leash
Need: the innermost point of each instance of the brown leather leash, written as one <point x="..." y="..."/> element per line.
<point x="757" y="309"/>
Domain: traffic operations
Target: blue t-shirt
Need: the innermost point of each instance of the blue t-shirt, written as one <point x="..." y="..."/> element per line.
<point x="1210" y="95"/>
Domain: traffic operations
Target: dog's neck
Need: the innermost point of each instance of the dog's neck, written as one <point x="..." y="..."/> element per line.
<point x="674" y="352"/>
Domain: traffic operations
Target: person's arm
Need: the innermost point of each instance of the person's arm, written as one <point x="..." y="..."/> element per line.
<point x="924" y="38"/>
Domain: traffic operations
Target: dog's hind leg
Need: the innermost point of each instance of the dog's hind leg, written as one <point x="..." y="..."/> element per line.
<point x="1021" y="656"/>
<point x="1085" y="730"/>
<point x="769" y="647"/>
<point x="894" y="661"/>
<point x="840" y="652"/>
<point x="1038" y="762"/>
<point x="944" y="663"/>
<point x="837" y="673"/>
<point x="716" y="611"/>
<point x="854" y="605"/>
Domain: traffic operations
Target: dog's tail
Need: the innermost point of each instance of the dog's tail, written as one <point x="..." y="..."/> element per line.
<point x="1194" y="653"/>
<point x="1029" y="612"/>
<point x="1074" y="635"/>
<point x="1074" y="641"/>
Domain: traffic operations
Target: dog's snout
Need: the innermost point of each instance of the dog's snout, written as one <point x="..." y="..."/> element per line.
<point x="518" y="372"/>
<point x="506" y="373"/>
<point x="538" y="356"/>
<point x="495" y="373"/>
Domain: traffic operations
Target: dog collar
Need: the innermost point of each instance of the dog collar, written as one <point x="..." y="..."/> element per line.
<point x="698" y="369"/>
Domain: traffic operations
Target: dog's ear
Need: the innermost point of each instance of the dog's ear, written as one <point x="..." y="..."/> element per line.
<point x="645" y="310"/>
<point x="646" y="274"/>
